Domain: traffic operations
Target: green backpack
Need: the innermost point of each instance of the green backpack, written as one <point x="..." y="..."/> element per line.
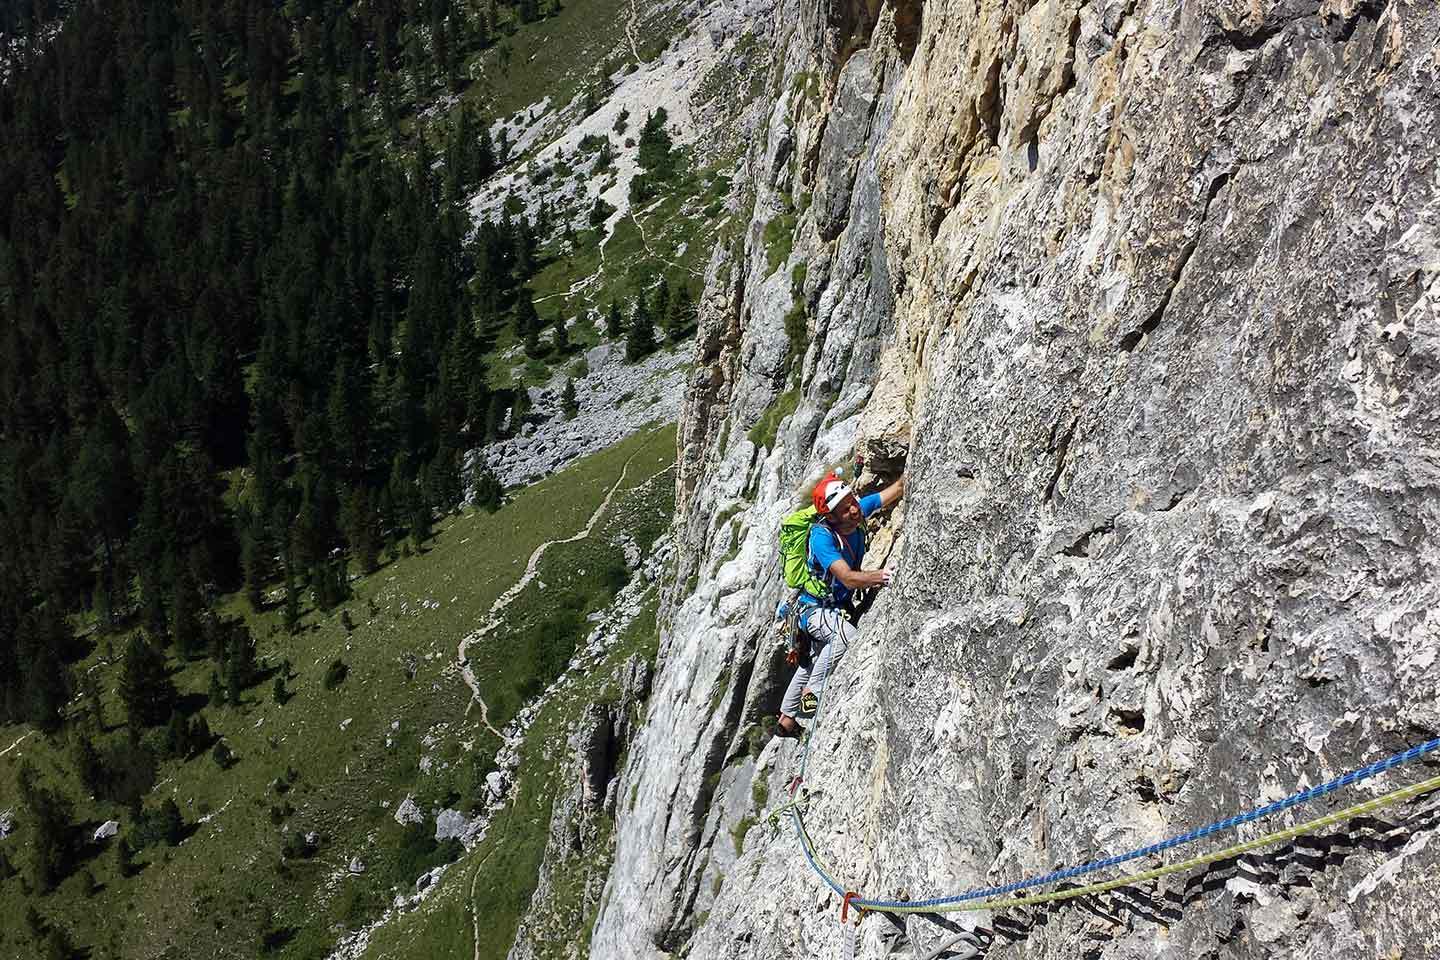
<point x="795" y="563"/>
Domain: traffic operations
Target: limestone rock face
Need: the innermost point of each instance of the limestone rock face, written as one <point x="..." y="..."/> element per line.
<point x="1144" y="299"/>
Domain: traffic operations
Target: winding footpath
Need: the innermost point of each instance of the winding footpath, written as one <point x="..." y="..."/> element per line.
<point x="15" y="744"/>
<point x="493" y="618"/>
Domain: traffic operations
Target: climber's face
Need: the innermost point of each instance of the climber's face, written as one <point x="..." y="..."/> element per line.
<point x="845" y="518"/>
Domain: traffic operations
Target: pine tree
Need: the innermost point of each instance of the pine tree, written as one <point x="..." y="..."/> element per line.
<point x="494" y="417"/>
<point x="527" y="318"/>
<point x="682" y="312"/>
<point x="124" y="858"/>
<point x="614" y="325"/>
<point x="90" y="690"/>
<point x="359" y="522"/>
<point x="292" y="603"/>
<point x="88" y="765"/>
<point x="533" y="347"/>
<point x="145" y="687"/>
<point x="185" y="610"/>
<point x="171" y="824"/>
<point x="486" y="489"/>
<point x="253" y="559"/>
<point x="569" y="403"/>
<point x="177" y="736"/>
<point x="662" y="302"/>
<point x="560" y="343"/>
<point x="47" y="687"/>
<point x="199" y="736"/>
<point x="48" y="815"/>
<point x="519" y="409"/>
<point x="655" y="152"/>
<point x="640" y="338"/>
<point x="421" y="519"/>
<point x="240" y="667"/>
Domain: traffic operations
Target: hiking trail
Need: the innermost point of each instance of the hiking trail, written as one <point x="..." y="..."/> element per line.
<point x="492" y="618"/>
<point x="17" y="743"/>
<point x="630" y="33"/>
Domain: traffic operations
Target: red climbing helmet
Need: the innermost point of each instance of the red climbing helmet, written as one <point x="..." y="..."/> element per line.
<point x="829" y="492"/>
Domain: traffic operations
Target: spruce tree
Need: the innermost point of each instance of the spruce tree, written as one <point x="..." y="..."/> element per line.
<point x="177" y="736"/>
<point x="171" y="824"/>
<point x="199" y="736"/>
<point x="185" y="610"/>
<point x="519" y="409"/>
<point x="487" y="490"/>
<point x="145" y="687"/>
<point x="640" y="338"/>
<point x="662" y="303"/>
<point x="569" y="403"/>
<point x="88" y="765"/>
<point x="527" y="318"/>
<point x="533" y="347"/>
<point x="560" y="342"/>
<point x="124" y="858"/>
<point x="614" y="325"/>
<point x="494" y="417"/>
<point x="48" y="815"/>
<point x="682" y="312"/>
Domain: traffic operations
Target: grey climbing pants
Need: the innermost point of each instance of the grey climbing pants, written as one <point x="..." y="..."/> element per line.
<point x="830" y="633"/>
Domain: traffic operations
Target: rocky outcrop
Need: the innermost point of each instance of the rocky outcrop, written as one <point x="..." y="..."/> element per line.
<point x="580" y="845"/>
<point x="581" y="841"/>
<point x="615" y="400"/>
<point x="1143" y="296"/>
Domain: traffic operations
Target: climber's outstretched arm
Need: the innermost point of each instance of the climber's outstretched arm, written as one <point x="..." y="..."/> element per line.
<point x="894" y="492"/>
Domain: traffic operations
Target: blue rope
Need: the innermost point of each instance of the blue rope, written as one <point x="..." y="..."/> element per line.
<point x="1304" y="796"/>
<point x="805" y="848"/>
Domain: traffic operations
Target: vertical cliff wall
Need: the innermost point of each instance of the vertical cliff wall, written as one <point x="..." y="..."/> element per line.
<point x="1144" y="296"/>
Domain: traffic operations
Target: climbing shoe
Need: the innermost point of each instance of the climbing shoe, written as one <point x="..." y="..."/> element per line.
<point x="794" y="732"/>
<point x="809" y="703"/>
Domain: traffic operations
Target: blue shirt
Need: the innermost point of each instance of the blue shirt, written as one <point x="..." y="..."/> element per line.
<point x="827" y="546"/>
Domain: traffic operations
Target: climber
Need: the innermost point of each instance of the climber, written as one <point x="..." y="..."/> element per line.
<point x="836" y="549"/>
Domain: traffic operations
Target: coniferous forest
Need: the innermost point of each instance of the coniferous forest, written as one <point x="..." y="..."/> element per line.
<point x="237" y="280"/>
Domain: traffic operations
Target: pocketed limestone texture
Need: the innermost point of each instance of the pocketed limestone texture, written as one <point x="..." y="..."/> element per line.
<point x="1143" y="296"/>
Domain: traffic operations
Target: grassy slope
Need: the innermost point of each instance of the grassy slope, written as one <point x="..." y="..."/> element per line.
<point x="554" y="57"/>
<point x="496" y="880"/>
<point x="211" y="895"/>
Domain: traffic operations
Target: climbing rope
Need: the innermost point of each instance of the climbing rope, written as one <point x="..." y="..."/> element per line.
<point x="987" y="895"/>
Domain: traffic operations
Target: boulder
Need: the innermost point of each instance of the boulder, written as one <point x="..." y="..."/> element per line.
<point x="106" y="830"/>
<point x="496" y="784"/>
<point x="408" y="812"/>
<point x="427" y="880"/>
<point x="450" y="824"/>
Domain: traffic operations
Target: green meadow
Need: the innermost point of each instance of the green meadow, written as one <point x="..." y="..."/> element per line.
<point x="333" y="763"/>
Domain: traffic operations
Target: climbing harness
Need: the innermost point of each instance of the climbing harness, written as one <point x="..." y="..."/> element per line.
<point x="787" y="624"/>
<point x="989" y="898"/>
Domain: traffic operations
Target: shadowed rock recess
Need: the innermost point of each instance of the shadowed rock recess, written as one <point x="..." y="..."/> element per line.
<point x="1144" y="296"/>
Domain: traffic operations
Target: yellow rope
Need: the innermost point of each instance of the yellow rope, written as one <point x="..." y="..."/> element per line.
<point x="1359" y="809"/>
